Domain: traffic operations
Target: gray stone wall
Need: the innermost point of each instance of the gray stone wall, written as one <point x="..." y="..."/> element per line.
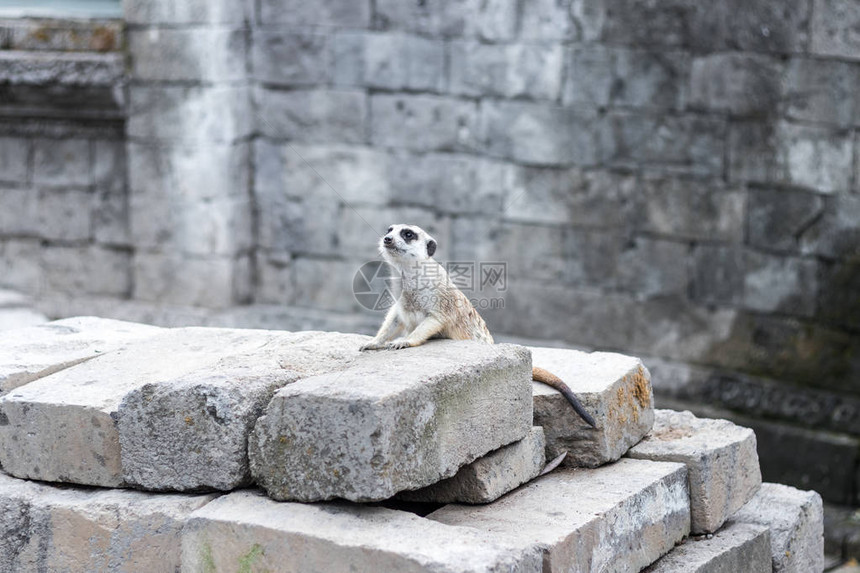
<point x="674" y="179"/>
<point x="63" y="197"/>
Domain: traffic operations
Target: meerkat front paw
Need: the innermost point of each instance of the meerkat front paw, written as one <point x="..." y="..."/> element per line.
<point x="372" y="345"/>
<point x="398" y="344"/>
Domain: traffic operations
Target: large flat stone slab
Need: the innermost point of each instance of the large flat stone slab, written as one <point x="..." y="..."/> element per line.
<point x="796" y="522"/>
<point x="31" y="353"/>
<point x="46" y="528"/>
<point x="65" y="427"/>
<point x="392" y="421"/>
<point x="246" y="529"/>
<point x="489" y="477"/>
<point x="620" y="517"/>
<point x="734" y="548"/>
<point x="721" y="460"/>
<point x="191" y="431"/>
<point x="614" y="388"/>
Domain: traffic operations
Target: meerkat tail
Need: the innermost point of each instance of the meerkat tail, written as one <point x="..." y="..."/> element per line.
<point x="550" y="379"/>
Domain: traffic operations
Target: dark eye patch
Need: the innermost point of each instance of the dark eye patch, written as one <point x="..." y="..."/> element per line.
<point x="408" y="235"/>
<point x="389" y="229"/>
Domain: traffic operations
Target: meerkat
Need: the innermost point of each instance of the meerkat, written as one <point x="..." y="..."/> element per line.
<point x="431" y="306"/>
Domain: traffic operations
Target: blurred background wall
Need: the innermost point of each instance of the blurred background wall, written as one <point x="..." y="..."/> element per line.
<point x="674" y="179"/>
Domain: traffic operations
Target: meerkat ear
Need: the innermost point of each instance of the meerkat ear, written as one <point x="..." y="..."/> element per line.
<point x="431" y="247"/>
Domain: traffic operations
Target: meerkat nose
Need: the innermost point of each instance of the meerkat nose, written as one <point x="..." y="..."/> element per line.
<point x="387" y="240"/>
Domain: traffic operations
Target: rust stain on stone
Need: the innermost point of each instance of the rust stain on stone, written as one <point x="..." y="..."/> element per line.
<point x="103" y="39"/>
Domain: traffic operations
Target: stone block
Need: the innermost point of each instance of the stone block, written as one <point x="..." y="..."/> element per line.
<point x="61" y="162"/>
<point x="539" y="134"/>
<point x="490" y="477"/>
<point x="834" y="28"/>
<point x="13" y="159"/>
<point x="692" y="209"/>
<point x="36" y="352"/>
<point x="621" y="22"/>
<point x="717" y="274"/>
<point x="183" y="54"/>
<point x="63" y="34"/>
<point x="488" y="20"/>
<point x="745" y="26"/>
<point x="736" y="83"/>
<point x="593" y="258"/>
<point x="836" y="234"/>
<point x="110" y="218"/>
<point x="837" y="295"/>
<point x="339" y="13"/>
<point x="245" y="527"/>
<point x="547" y="20"/>
<point x="312" y="116"/>
<point x="577" y="519"/>
<point x="449" y="183"/>
<point x="514" y="71"/>
<point x="796" y="522"/>
<point x="211" y="282"/>
<point x="396" y="62"/>
<point x="284" y="223"/>
<point x="109" y="165"/>
<point x="722" y="464"/>
<point x="190" y="12"/>
<point x="813" y="157"/>
<point x="129" y="417"/>
<point x="687" y="144"/>
<point x="296" y="58"/>
<point x="822" y="91"/>
<point x="391" y="422"/>
<point x="540" y="194"/>
<point x="160" y="174"/>
<point x="334" y="173"/>
<point x="423" y="123"/>
<point x="20" y="214"/>
<point x="91" y="270"/>
<point x="190" y="114"/>
<point x="779" y="218"/>
<point x="615" y="389"/>
<point x="736" y="547"/>
<point x="780" y="284"/>
<point x="18" y="318"/>
<point x="190" y="431"/>
<point x="65" y="214"/>
<point x="22" y="269"/>
<point x="48" y="528"/>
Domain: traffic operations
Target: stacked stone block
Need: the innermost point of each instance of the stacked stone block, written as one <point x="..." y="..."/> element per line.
<point x="119" y="405"/>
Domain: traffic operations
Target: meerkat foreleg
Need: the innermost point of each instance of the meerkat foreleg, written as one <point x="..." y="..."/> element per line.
<point x="425" y="330"/>
<point x="390" y="329"/>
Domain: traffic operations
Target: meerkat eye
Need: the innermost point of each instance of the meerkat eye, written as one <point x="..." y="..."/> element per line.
<point x="409" y="234"/>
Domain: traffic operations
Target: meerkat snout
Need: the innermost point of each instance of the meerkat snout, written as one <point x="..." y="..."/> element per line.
<point x="403" y="243"/>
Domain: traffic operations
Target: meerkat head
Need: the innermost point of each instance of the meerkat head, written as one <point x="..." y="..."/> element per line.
<point x="406" y="243"/>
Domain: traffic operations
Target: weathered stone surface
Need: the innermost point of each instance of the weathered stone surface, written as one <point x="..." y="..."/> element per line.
<point x="837" y="233"/>
<point x="736" y="547"/>
<point x="38" y="351"/>
<point x="834" y="28"/>
<point x="13" y="159"/>
<point x="48" y="528"/>
<point x="392" y="421"/>
<point x="674" y="143"/>
<point x="70" y="426"/>
<point x="325" y="13"/>
<point x="491" y="20"/>
<point x="692" y="209"/>
<point x="614" y="388"/>
<point x="718" y="274"/>
<point x="203" y="54"/>
<point x="247" y="528"/>
<point x="211" y="282"/>
<point x="490" y="477"/>
<point x="740" y="84"/>
<point x="191" y="432"/>
<point x="578" y="519"/>
<point x="814" y="157"/>
<point x="515" y="70"/>
<point x="190" y="12"/>
<point x="294" y="58"/>
<point x="423" y="123"/>
<point x="822" y="90"/>
<point x="90" y="269"/>
<point x="796" y="522"/>
<point x="785" y="284"/>
<point x="539" y="134"/>
<point x="390" y="61"/>
<point x="738" y="25"/>
<point x="312" y="116"/>
<point x="778" y="218"/>
<point x="722" y="463"/>
<point x="61" y="162"/>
